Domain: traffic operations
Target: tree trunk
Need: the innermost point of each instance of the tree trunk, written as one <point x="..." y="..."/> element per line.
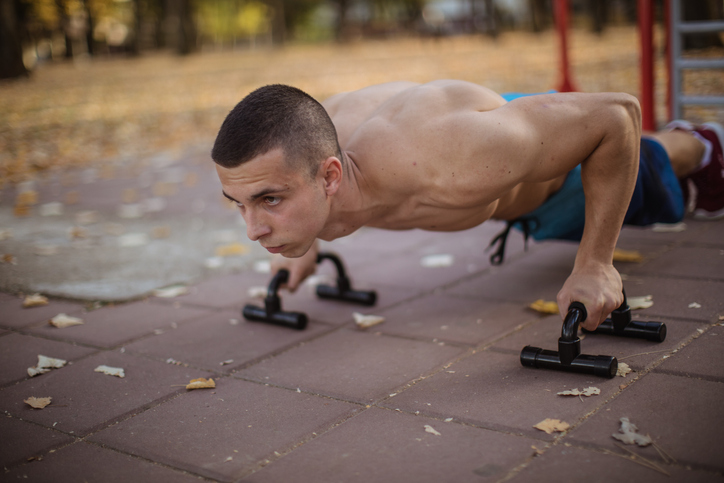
<point x="11" y="49"/>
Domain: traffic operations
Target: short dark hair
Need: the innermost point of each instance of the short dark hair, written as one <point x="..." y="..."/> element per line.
<point x="277" y="116"/>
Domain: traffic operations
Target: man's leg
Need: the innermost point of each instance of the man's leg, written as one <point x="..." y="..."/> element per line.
<point x="697" y="158"/>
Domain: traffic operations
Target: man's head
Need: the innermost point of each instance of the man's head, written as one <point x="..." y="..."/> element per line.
<point x="277" y="116"/>
<point x="278" y="158"/>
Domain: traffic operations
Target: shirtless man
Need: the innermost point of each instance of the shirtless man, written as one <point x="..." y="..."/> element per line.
<point x="443" y="156"/>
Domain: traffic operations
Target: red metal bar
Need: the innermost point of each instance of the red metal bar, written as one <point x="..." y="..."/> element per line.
<point x="560" y="11"/>
<point x="667" y="56"/>
<point x="646" y="31"/>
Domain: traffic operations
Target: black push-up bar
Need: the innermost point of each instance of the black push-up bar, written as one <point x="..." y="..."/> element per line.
<point x="569" y="357"/>
<point x="272" y="312"/>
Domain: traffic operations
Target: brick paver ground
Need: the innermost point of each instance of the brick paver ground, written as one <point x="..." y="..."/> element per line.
<point x="336" y="403"/>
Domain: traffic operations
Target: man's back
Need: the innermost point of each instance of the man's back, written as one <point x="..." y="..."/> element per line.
<point x="410" y="144"/>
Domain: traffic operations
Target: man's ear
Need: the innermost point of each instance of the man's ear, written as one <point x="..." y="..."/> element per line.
<point x="331" y="170"/>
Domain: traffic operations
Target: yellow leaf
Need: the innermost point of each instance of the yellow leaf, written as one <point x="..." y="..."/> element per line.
<point x="201" y="383"/>
<point x="552" y="425"/>
<point x="37" y="402"/>
<point x="632" y="256"/>
<point x="62" y="321"/>
<point x="35" y="300"/>
<point x="544" y="307"/>
<point x="231" y="249"/>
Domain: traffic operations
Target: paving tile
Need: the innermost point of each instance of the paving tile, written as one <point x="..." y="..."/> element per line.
<point x="683" y="415"/>
<point x="88" y="462"/>
<point x="113" y="325"/>
<point x="21" y="440"/>
<point x="672" y="296"/>
<point x="549" y="255"/>
<point x="18" y="352"/>
<point x="351" y="364"/>
<point x="703" y="357"/>
<point x="232" y="291"/>
<point x="513" y="283"/>
<point x="208" y="342"/>
<point x="13" y="315"/>
<point x="383" y="445"/>
<point x="84" y="400"/>
<point x="687" y="261"/>
<point x="637" y="353"/>
<point x="711" y="234"/>
<point x="463" y="321"/>
<point x="495" y="391"/>
<point x="222" y="434"/>
<point x="577" y="464"/>
<point x="694" y="229"/>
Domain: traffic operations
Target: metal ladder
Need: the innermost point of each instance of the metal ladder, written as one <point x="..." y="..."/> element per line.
<point x="678" y="64"/>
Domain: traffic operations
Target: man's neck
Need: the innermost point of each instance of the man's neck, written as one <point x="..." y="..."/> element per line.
<point x="351" y="206"/>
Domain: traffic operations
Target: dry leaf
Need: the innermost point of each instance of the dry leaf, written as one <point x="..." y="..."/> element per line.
<point x="51" y="209"/>
<point x="27" y="198"/>
<point x="623" y="369"/>
<point x="87" y="217"/>
<point x="366" y="321"/>
<point x="35" y="300"/>
<point x="642" y="302"/>
<point x="544" y="307"/>
<point x="170" y="292"/>
<point x="632" y="256"/>
<point x="201" y="383"/>
<point x="589" y="391"/>
<point x="262" y="266"/>
<point x="37" y="402"/>
<point x="694" y="305"/>
<point x="133" y="240"/>
<point x="45" y="364"/>
<point x="8" y="258"/>
<point x="214" y="262"/>
<point x="434" y="261"/>
<point x="431" y="430"/>
<point x="6" y="234"/>
<point x="552" y="425"/>
<point x="163" y="231"/>
<point x="231" y="249"/>
<point x="668" y="227"/>
<point x="630" y="434"/>
<point x="257" y="292"/>
<point x="46" y="250"/>
<point x="62" y="321"/>
<point x="130" y="210"/>
<point x="111" y="371"/>
<point x="21" y="210"/>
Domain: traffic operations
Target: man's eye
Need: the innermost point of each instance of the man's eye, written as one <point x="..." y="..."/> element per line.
<point x="272" y="200"/>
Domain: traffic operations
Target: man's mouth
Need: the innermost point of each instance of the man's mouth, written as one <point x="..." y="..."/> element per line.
<point x="275" y="249"/>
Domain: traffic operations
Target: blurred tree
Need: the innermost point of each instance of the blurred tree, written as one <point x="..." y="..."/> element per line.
<point x="539" y="14"/>
<point x="11" y="48"/>
<point x="697" y="10"/>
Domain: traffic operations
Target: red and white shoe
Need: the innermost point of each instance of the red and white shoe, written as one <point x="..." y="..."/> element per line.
<point x="708" y="180"/>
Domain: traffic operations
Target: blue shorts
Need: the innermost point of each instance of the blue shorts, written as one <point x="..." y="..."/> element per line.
<point x="657" y="198"/>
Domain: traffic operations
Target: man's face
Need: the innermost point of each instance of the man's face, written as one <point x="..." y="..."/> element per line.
<point x="284" y="209"/>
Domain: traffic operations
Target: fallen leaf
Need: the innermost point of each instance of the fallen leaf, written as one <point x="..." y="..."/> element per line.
<point x="214" y="262"/>
<point x="257" y="292"/>
<point x="631" y="256"/>
<point x="27" y="198"/>
<point x="46" y="250"/>
<point x="431" y="430"/>
<point x="668" y="227"/>
<point x="54" y="208"/>
<point x="262" y="266"/>
<point x="630" y="434"/>
<point x="226" y="362"/>
<point x="232" y="249"/>
<point x="623" y="369"/>
<point x="366" y="321"/>
<point x="76" y="233"/>
<point x="589" y="391"/>
<point x="170" y="292"/>
<point x="45" y="364"/>
<point x="721" y="317"/>
<point x="163" y="231"/>
<point x="544" y="307"/>
<point x="6" y="234"/>
<point x="111" y="371"/>
<point x="62" y="321"/>
<point x="130" y="210"/>
<point x="642" y="302"/>
<point x="21" y="210"/>
<point x="37" y="402"/>
<point x="694" y="305"/>
<point x="434" y="261"/>
<point x="133" y="240"/>
<point x="552" y="425"/>
<point x="35" y="300"/>
<point x="201" y="383"/>
<point x="8" y="258"/>
<point x="87" y="217"/>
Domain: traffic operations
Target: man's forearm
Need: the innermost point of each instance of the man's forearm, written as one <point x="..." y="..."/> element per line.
<point x="609" y="176"/>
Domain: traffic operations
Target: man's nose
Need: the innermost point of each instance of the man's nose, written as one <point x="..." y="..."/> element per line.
<point x="256" y="228"/>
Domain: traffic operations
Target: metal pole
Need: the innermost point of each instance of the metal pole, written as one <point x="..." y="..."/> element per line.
<point x="560" y="11"/>
<point x="646" y="20"/>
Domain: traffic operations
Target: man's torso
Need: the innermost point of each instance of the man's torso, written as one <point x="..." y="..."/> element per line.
<point x="403" y="137"/>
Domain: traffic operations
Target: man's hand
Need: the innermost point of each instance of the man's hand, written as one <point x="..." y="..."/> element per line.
<point x="598" y="287"/>
<point x="299" y="268"/>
